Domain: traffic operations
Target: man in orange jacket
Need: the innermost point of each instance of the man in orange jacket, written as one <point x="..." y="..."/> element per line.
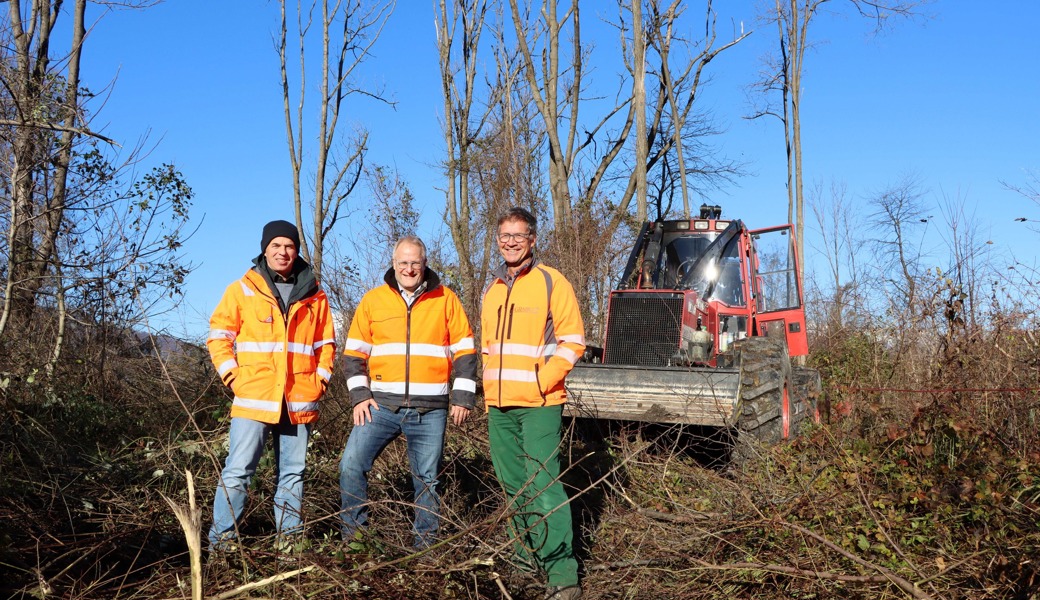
<point x="531" y="334"/>
<point x="272" y="341"/>
<point x="407" y="338"/>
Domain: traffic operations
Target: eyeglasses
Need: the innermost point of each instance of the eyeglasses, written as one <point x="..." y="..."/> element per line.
<point x="505" y="238"/>
<point x="415" y="266"/>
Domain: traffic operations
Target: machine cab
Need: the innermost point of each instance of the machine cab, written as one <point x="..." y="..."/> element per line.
<point x="722" y="281"/>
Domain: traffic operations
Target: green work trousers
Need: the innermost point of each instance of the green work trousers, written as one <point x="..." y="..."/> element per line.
<point x="525" y="450"/>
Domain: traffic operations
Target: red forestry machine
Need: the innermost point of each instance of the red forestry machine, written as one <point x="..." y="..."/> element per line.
<point x="701" y="330"/>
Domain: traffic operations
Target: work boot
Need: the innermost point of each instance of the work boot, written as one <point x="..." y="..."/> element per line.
<point x="567" y="592"/>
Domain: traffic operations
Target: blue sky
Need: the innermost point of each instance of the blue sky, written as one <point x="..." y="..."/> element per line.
<point x="952" y="99"/>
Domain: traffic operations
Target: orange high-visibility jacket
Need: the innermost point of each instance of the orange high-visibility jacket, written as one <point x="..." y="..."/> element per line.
<point x="404" y="356"/>
<point x="531" y="337"/>
<point x="265" y="357"/>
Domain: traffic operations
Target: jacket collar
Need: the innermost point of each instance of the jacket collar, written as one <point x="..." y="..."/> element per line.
<point x="502" y="271"/>
<point x="306" y="284"/>
<point x="431" y="280"/>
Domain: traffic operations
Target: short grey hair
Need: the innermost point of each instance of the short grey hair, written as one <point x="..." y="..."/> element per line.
<point x="413" y="240"/>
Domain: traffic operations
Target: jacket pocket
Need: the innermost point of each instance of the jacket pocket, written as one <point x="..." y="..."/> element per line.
<point x="300" y="363"/>
<point x="256" y="380"/>
<point x="384" y="315"/>
<point x="304" y="387"/>
<point x="263" y="317"/>
<point x="538" y="383"/>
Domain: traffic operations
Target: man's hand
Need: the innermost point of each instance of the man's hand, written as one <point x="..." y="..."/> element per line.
<point x="459" y="414"/>
<point x="363" y="411"/>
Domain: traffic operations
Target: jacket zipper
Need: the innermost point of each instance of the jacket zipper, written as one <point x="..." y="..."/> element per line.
<point x="408" y="343"/>
<point x="407" y="349"/>
<point x="502" y="340"/>
<point x="286" y="318"/>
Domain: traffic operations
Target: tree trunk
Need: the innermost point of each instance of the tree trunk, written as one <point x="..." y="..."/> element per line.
<point x="39" y="199"/>
<point x="639" y="106"/>
<point x="348" y="30"/>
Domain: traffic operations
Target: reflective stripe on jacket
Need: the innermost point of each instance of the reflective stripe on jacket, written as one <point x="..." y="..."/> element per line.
<point x="532" y="334"/>
<point x="267" y="357"/>
<point x="404" y="355"/>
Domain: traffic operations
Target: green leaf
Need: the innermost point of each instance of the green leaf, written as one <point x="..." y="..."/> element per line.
<point x="863" y="542"/>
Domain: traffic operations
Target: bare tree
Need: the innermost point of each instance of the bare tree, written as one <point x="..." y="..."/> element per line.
<point x="899" y="217"/>
<point x="783" y="76"/>
<point x="45" y="121"/>
<point x="82" y="241"/>
<point x="680" y="153"/>
<point x="557" y="83"/>
<point x="362" y="256"/>
<point x="547" y="86"/>
<point x="969" y="255"/>
<point x="505" y="169"/>
<point x="899" y="221"/>
<point x="839" y="244"/>
<point x="460" y="25"/>
<point x="677" y="85"/>
<point x="638" y="69"/>
<point x="346" y="31"/>
<point x="1030" y="191"/>
<point x="535" y="123"/>
<point x="392" y="213"/>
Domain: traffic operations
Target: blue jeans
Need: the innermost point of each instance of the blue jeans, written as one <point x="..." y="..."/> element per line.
<point x="425" y="436"/>
<point x="247" y="439"/>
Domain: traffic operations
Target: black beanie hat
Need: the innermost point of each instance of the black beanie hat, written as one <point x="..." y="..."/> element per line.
<point x="279" y="229"/>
